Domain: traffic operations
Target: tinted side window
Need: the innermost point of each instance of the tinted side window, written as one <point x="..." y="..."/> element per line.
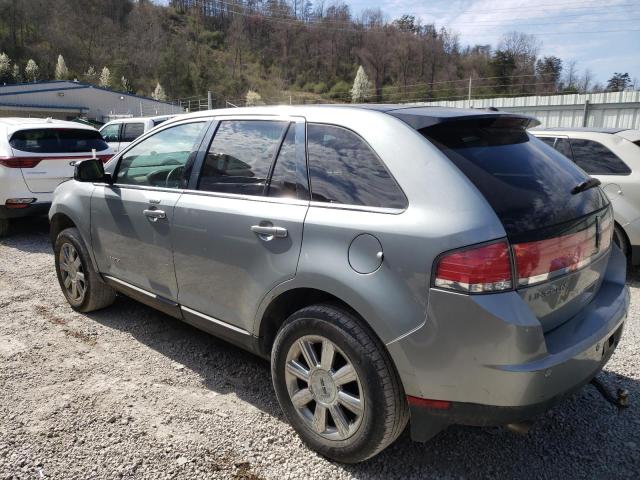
<point x="548" y="140"/>
<point x="131" y="131"/>
<point x="240" y="156"/>
<point x="596" y="159"/>
<point x="564" y="147"/>
<point x="111" y="133"/>
<point x="344" y="169"/>
<point x="283" y="181"/>
<point x="160" y="160"/>
<point x="57" y="140"/>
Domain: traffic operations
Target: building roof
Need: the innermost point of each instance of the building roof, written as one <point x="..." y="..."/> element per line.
<point x="71" y="108"/>
<point x="581" y="129"/>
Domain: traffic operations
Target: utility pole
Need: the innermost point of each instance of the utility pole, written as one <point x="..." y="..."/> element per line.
<point x="470" y="86"/>
<point x="209" y="100"/>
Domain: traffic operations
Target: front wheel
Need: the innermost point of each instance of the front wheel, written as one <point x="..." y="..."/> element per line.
<point x="337" y="385"/>
<point x="620" y="239"/>
<point x="82" y="286"/>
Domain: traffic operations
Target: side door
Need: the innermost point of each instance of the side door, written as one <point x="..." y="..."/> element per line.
<point x="130" y="132"/>
<point x="111" y="135"/>
<point x="131" y="219"/>
<point x="237" y="230"/>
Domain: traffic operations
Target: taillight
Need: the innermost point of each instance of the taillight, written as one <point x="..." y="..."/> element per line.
<point x="19" y="162"/>
<point x="104" y="158"/>
<point x="545" y="259"/>
<point x="486" y="268"/>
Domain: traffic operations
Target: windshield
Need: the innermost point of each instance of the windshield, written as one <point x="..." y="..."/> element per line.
<point x="528" y="183"/>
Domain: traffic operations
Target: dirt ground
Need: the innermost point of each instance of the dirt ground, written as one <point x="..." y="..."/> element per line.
<point x="131" y="393"/>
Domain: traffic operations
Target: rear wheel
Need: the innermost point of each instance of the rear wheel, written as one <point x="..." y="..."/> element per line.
<point x="337" y="385"/>
<point x="620" y="239"/>
<point x="4" y="227"/>
<point x="82" y="286"/>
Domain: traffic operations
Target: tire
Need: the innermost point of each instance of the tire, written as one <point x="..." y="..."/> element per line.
<point x="72" y="261"/>
<point x="4" y="227"/>
<point x="383" y="411"/>
<point x="620" y="239"/>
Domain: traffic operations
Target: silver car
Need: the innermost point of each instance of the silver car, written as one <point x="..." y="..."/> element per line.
<point x="612" y="155"/>
<point x="396" y="264"/>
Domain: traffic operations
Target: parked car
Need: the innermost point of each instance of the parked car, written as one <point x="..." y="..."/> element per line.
<point x="35" y="156"/>
<point x="611" y="155"/>
<point x="434" y="265"/>
<point x="120" y="133"/>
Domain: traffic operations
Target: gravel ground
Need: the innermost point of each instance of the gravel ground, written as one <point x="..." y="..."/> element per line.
<point x="131" y="393"/>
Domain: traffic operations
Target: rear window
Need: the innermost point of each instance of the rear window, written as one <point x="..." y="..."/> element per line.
<point x="57" y="140"/>
<point x="596" y="159"/>
<point x="527" y="182"/>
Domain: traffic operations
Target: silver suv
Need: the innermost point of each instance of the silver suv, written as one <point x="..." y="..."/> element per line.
<point x="434" y="265"/>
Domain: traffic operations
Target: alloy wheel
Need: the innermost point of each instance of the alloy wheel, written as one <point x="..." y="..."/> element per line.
<point x="324" y="387"/>
<point x="72" y="273"/>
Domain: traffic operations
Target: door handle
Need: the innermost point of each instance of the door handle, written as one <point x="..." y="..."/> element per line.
<point x="267" y="231"/>
<point x="154" y="215"/>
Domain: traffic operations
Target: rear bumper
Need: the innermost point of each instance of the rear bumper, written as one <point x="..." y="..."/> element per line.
<point x="32" y="210"/>
<point x="489" y="357"/>
<point x="426" y="422"/>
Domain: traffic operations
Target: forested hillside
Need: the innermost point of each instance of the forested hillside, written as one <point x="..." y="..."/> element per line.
<point x="309" y="50"/>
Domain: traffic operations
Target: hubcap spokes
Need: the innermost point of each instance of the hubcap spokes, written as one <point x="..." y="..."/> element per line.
<point x="72" y="272"/>
<point x="324" y="387"/>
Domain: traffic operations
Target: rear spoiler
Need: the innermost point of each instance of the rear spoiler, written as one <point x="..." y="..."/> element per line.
<point x="418" y="121"/>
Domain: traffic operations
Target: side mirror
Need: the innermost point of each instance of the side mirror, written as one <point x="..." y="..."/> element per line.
<point x="91" y="170"/>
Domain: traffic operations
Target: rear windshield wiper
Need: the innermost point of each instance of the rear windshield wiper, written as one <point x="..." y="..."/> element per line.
<point x="586" y="185"/>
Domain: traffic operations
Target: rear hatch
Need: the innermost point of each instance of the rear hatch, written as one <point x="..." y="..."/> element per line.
<point x="47" y="156"/>
<point x="558" y="223"/>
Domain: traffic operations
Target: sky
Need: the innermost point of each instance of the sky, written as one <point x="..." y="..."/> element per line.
<point x="589" y="32"/>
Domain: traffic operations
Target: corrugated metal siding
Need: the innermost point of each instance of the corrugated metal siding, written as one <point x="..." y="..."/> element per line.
<point x="605" y="110"/>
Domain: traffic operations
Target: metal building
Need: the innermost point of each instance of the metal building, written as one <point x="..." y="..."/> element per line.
<point x="66" y="100"/>
<point x="598" y="110"/>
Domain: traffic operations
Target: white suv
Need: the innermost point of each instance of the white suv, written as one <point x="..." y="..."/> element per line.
<point x="36" y="155"/>
<point x="612" y="155"/>
<point x="120" y="133"/>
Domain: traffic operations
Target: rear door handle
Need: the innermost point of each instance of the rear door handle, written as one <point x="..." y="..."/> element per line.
<point x="155" y="215"/>
<point x="266" y="231"/>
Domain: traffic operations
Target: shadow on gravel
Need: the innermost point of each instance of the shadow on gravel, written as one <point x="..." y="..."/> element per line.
<point x="26" y="234"/>
<point x="582" y="437"/>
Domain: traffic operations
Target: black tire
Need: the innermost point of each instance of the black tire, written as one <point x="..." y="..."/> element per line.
<point x="620" y="239"/>
<point x="4" y="227"/>
<point x="385" y="413"/>
<point x="97" y="294"/>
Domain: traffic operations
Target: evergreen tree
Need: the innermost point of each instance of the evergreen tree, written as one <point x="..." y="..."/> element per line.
<point x="31" y="71"/>
<point x="253" y="98"/>
<point x="90" y="75"/>
<point x="361" y="86"/>
<point x="619" y="82"/>
<point x="158" y="93"/>
<point x="105" y="78"/>
<point x="62" y="72"/>
<point x="17" y="76"/>
<point x="5" y="68"/>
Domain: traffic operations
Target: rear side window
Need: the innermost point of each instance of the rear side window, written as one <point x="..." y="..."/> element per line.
<point x="131" y="131"/>
<point x="240" y="156"/>
<point x="57" y="140"/>
<point x="111" y="133"/>
<point x="344" y="169"/>
<point x="564" y="147"/>
<point x="596" y="159"/>
<point x="527" y="182"/>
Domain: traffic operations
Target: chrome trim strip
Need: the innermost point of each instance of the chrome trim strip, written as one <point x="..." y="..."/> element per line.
<point x="358" y="208"/>
<point x="147" y="187"/>
<point x="139" y="290"/>
<point x="214" y="320"/>
<point x="237" y="196"/>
